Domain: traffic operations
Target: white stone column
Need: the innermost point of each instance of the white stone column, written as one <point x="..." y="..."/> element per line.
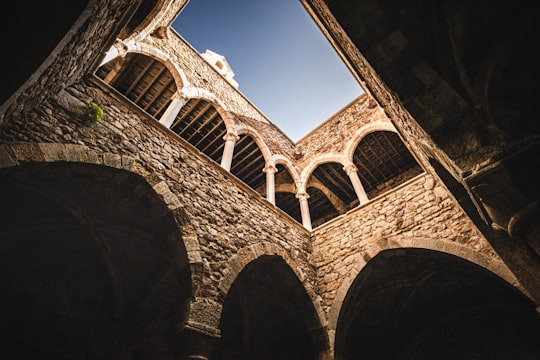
<point x="172" y="111"/>
<point x="352" y="172"/>
<point x="270" y="183"/>
<point x="228" y="150"/>
<point x="304" y="209"/>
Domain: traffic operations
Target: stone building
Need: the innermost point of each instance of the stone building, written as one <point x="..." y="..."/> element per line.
<point x="181" y="223"/>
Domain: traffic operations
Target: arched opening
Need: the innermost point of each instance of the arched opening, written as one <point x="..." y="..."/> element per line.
<point x="200" y="124"/>
<point x="142" y="79"/>
<point x="248" y="163"/>
<point x="88" y="265"/>
<point x="286" y="193"/>
<point x="268" y="315"/>
<point x="412" y="303"/>
<point x="383" y="162"/>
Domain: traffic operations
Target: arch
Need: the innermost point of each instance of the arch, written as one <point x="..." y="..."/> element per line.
<point x="427" y="302"/>
<point x="248" y="130"/>
<point x="142" y="79"/>
<point x="200" y="123"/>
<point x="336" y="193"/>
<point x="246" y="273"/>
<point x="189" y="92"/>
<point x="100" y="253"/>
<point x="353" y="142"/>
<point x="278" y="159"/>
<point x="383" y="162"/>
<point x="122" y="49"/>
<point x="495" y="266"/>
<point x="14" y="155"/>
<point x="315" y="162"/>
<point x="248" y="161"/>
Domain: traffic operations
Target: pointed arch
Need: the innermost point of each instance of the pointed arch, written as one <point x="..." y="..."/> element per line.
<point x="243" y="129"/>
<point x="283" y="302"/>
<point x="462" y="251"/>
<point x="316" y="161"/>
<point x="250" y="158"/>
<point x="286" y="187"/>
<point x="117" y="242"/>
<point x="200" y="123"/>
<point x="278" y="159"/>
<point x="383" y="162"/>
<point x="438" y="293"/>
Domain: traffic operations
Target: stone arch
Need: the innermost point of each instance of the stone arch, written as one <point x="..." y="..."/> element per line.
<point x="426" y="302"/>
<point x="277" y="159"/>
<point x="267" y="253"/>
<point x="314" y="163"/>
<point x="493" y="265"/>
<point x="121" y="49"/>
<point x="15" y="154"/>
<point x="102" y="255"/>
<point x="248" y="130"/>
<point x="199" y="93"/>
<point x="360" y="133"/>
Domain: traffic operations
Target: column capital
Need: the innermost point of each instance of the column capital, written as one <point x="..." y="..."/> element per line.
<point x="231" y="136"/>
<point x="270" y="169"/>
<point x="180" y="96"/>
<point x="350" y="168"/>
<point x="302" y="196"/>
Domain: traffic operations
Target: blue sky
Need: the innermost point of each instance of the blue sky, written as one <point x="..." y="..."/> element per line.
<point x="280" y="58"/>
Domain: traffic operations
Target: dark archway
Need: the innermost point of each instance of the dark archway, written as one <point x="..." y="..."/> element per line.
<point x="268" y="315"/>
<point x="89" y="265"/>
<point x="383" y="162"/>
<point x="142" y="79"/>
<point x="422" y="304"/>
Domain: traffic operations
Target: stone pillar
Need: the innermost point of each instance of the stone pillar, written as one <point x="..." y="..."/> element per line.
<point x="230" y="139"/>
<point x="172" y="111"/>
<point x="304" y="209"/>
<point x="270" y="184"/>
<point x="197" y="344"/>
<point x="352" y="172"/>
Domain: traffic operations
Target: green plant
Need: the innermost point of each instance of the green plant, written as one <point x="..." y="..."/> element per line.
<point x="92" y="112"/>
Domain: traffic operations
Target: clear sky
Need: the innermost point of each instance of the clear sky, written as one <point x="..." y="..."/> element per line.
<point x="281" y="60"/>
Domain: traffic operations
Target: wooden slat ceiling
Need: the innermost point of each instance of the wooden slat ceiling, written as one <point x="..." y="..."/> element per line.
<point x="141" y="79"/>
<point x="381" y="157"/>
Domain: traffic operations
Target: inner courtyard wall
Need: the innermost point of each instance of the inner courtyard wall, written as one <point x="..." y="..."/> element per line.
<point x="225" y="216"/>
<point x="419" y="213"/>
